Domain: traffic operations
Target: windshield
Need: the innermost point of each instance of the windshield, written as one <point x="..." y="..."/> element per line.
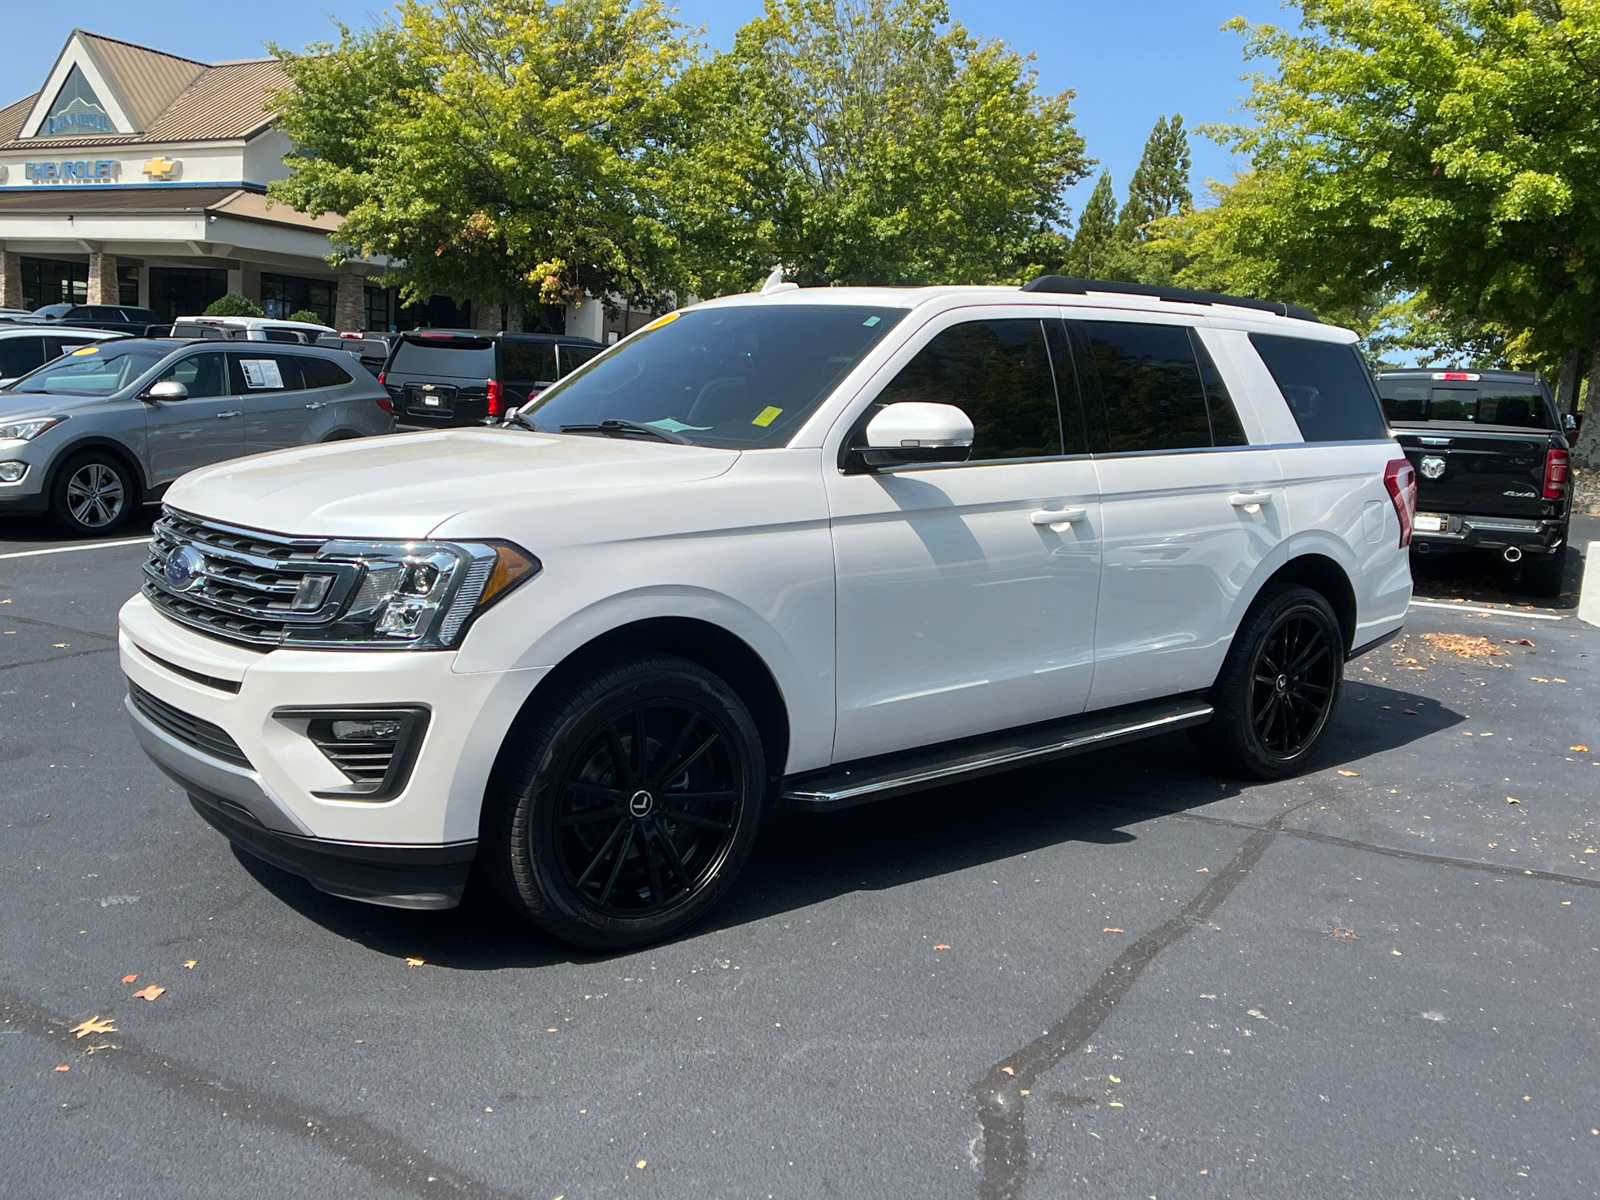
<point x="53" y="310"/>
<point x="739" y="377"/>
<point x="92" y="371"/>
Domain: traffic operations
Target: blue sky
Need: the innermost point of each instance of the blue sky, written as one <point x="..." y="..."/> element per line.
<point x="1128" y="63"/>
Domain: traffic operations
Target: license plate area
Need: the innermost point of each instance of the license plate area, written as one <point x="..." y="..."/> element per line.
<point x="430" y="401"/>
<point x="1430" y="523"/>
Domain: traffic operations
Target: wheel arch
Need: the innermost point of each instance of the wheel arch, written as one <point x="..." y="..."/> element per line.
<point x="1326" y="577"/>
<point x="98" y="442"/>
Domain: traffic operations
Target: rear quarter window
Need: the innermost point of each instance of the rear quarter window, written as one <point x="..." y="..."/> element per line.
<point x="1328" y="389"/>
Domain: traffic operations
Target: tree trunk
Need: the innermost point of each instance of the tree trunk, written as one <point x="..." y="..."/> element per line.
<point x="1586" y="454"/>
<point x="1567" y="384"/>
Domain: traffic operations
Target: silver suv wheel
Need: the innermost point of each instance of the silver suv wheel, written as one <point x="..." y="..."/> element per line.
<point x="95" y="495"/>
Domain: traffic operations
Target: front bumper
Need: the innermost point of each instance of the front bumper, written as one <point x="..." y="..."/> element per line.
<point x="411" y="849"/>
<point x="1492" y="533"/>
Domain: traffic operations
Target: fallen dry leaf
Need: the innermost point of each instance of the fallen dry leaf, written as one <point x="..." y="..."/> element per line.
<point x="189" y="963"/>
<point x="1344" y="935"/>
<point x="1112" y="929"/>
<point x="1538" y="679"/>
<point x="641" y="1164"/>
<point x="1203" y="871"/>
<point x="1465" y="645"/>
<point x="1410" y="712"/>
<point x="1008" y="1070"/>
<point x="552" y="1029"/>
<point x="1512" y="800"/>
<point x="94" y="1025"/>
<point x="1516" y="641"/>
<point x="1114" y="1078"/>
<point x="414" y="962"/>
<point x="129" y="978"/>
<point x="1351" y="774"/>
<point x="59" y="645"/>
<point x="149" y="993"/>
<point x="64" y="1067"/>
<point x="942" y="946"/>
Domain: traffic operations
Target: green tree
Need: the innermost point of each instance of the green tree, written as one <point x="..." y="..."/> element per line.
<point x="1094" y="249"/>
<point x="233" y="304"/>
<point x="1160" y="183"/>
<point x="1444" y="150"/>
<point x="507" y="150"/>
<point x="870" y="141"/>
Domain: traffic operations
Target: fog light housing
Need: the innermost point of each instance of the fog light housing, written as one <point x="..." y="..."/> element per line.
<point x="374" y="747"/>
<point x="12" y="472"/>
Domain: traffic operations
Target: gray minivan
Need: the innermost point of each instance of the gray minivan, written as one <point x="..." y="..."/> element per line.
<point x="100" y="431"/>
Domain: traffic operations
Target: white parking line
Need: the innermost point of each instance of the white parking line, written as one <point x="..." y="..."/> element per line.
<point x="1486" y="612"/>
<point x="138" y="541"/>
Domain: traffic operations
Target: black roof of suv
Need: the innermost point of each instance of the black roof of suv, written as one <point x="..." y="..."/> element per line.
<point x="444" y="377"/>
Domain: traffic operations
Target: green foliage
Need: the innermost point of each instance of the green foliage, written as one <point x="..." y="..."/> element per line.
<point x="870" y="141"/>
<point x="1094" y="251"/>
<point x="305" y="314"/>
<point x="1160" y="183"/>
<point x="233" y="304"/>
<point x="498" y="149"/>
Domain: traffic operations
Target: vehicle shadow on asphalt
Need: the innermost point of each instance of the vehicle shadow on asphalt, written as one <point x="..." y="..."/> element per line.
<point x="804" y="859"/>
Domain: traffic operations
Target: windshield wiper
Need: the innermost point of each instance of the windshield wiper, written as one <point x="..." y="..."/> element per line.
<point x="522" y="421"/>
<point x="614" y="428"/>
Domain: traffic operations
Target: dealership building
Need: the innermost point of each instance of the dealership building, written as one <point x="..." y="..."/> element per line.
<point x="138" y="177"/>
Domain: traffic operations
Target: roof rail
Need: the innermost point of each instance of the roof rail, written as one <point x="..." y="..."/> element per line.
<point x="1080" y="287"/>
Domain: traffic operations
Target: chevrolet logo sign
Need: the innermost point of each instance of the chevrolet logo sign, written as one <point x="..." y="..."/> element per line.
<point x="160" y="168"/>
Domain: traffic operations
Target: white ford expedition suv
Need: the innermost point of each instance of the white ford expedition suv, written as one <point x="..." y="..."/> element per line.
<point x="807" y="548"/>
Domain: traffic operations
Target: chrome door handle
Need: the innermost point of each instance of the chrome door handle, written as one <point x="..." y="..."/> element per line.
<point x="225" y="415"/>
<point x="315" y="404"/>
<point x="1065" y="516"/>
<point x="1250" y="501"/>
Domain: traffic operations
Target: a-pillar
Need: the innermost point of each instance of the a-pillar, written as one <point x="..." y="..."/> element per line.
<point x="350" y="303"/>
<point x="103" y="278"/>
<point x="10" y="280"/>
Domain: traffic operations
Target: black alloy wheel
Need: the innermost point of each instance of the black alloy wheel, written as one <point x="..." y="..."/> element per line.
<point x="1278" y="690"/>
<point x="92" y="495"/>
<point x="629" y="806"/>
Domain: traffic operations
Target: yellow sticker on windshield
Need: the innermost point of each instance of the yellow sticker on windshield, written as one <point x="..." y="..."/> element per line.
<point x="88" y="350"/>
<point x="766" y="416"/>
<point x="666" y="320"/>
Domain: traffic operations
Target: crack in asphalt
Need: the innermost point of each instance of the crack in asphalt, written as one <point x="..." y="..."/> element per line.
<point x="1002" y="1112"/>
<point x="105" y="637"/>
<point x="34" y="662"/>
<point x="390" y="1160"/>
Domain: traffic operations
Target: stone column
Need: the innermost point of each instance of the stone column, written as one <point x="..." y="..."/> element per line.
<point x="103" y="278"/>
<point x="10" y="280"/>
<point x="350" y="303"/>
<point x="487" y="317"/>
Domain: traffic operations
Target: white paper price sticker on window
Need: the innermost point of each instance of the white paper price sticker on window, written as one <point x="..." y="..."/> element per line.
<point x="261" y="373"/>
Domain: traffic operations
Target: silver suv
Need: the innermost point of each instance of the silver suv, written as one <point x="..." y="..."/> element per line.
<point x="94" y="434"/>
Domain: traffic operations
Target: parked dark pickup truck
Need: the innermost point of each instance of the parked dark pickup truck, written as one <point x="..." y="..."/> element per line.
<point x="1492" y="463"/>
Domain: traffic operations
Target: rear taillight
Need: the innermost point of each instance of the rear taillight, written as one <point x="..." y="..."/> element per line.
<point x="1401" y="480"/>
<point x="495" y="407"/>
<point x="385" y="403"/>
<point x="380" y="376"/>
<point x="1557" y="473"/>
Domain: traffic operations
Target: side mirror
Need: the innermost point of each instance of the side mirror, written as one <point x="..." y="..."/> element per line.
<point x="1569" y="422"/>
<point x="167" y="389"/>
<point x="914" y="431"/>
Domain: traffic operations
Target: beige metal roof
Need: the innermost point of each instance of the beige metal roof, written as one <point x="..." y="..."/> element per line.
<point x="172" y="99"/>
<point x="147" y="81"/>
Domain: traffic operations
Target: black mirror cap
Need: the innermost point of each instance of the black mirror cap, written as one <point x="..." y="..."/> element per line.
<point x="864" y="460"/>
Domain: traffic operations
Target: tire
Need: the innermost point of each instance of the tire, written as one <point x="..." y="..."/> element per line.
<point x="599" y="844"/>
<point x="1271" y="716"/>
<point x="1542" y="574"/>
<point x="93" y="495"/>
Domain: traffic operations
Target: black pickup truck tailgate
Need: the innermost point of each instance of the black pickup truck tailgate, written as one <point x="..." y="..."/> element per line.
<point x="1472" y="470"/>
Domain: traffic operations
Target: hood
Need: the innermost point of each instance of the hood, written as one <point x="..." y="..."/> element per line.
<point x="18" y="406"/>
<point x="406" y="485"/>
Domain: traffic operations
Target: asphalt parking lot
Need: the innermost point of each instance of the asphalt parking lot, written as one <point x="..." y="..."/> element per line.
<point x="1118" y="976"/>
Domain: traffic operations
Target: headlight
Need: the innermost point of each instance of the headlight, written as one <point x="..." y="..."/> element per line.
<point x="411" y="595"/>
<point x="26" y="431"/>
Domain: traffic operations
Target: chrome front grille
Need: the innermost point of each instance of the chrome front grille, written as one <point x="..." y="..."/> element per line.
<point x="243" y="585"/>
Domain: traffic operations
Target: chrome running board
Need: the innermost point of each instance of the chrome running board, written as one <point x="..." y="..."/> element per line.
<point x="888" y="775"/>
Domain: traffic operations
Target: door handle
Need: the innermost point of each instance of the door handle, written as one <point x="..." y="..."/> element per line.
<point x="1250" y="501"/>
<point x="225" y="415"/>
<point x="315" y="404"/>
<point x="1065" y="516"/>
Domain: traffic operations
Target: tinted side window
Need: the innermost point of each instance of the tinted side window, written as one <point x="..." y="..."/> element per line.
<point x="999" y="374"/>
<point x="202" y="374"/>
<point x="1148" y="382"/>
<point x="1404" y="399"/>
<point x="18" y="356"/>
<point x="1519" y="404"/>
<point x="1327" y="387"/>
<point x="1226" y="428"/>
<point x="527" y="362"/>
<point x="101" y="312"/>
<point x="320" y="373"/>
<point x="282" y="335"/>
<point x="570" y="358"/>
<point x="253" y="374"/>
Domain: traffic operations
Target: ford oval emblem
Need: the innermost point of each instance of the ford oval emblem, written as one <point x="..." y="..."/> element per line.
<point x="183" y="568"/>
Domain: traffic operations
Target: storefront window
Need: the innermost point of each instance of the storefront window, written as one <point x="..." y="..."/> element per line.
<point x="283" y="295"/>
<point x="377" y="309"/>
<point x="184" y="291"/>
<point x="51" y="281"/>
<point x="128" y="286"/>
